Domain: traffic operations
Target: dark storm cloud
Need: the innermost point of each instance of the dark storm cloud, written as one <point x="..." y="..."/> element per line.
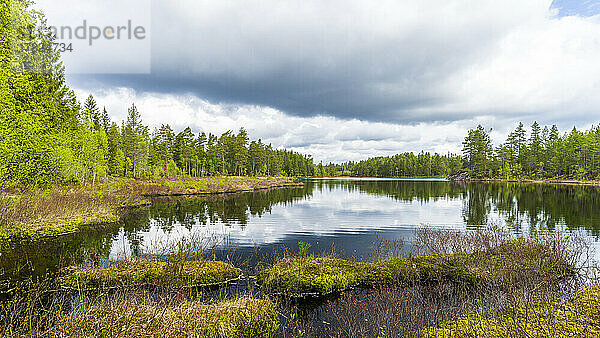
<point x="388" y="62"/>
<point x="300" y="96"/>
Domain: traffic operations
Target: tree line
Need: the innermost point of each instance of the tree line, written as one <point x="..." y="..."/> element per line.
<point x="407" y="164"/>
<point x="543" y="153"/>
<point x="540" y="153"/>
<point x="132" y="150"/>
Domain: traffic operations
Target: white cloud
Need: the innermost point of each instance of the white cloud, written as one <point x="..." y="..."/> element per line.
<point x="546" y="68"/>
<point x="326" y="138"/>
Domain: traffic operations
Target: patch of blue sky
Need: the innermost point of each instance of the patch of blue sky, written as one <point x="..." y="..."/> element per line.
<point x="583" y="8"/>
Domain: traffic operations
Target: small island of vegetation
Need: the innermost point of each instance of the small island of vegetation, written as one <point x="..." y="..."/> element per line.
<point x="502" y="263"/>
<point x="194" y="273"/>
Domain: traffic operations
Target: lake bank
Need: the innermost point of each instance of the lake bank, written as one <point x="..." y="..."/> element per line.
<point x="33" y="214"/>
<point x="540" y="181"/>
<point x="466" y="179"/>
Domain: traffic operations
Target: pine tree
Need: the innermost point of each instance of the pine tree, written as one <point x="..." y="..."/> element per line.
<point x="91" y="113"/>
<point x="105" y="120"/>
<point x="535" y="160"/>
<point x="135" y="142"/>
<point x="477" y="150"/>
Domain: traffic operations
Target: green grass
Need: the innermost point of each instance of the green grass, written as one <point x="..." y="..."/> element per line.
<point x="32" y="214"/>
<point x="136" y="272"/>
<point x="577" y="317"/>
<point x="508" y="263"/>
<point x="242" y="317"/>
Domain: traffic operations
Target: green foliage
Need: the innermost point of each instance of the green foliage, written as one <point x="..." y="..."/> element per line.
<point x="47" y="138"/>
<point x="401" y="165"/>
<point x="303" y="249"/>
<point x="37" y="110"/>
<point x="544" y="155"/>
<point x="477" y="150"/>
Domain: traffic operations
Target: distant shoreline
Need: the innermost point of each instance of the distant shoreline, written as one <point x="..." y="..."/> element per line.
<point x="533" y="181"/>
<point x="489" y="180"/>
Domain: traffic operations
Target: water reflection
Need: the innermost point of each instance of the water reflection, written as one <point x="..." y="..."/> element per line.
<point x="322" y="209"/>
<point x="346" y="213"/>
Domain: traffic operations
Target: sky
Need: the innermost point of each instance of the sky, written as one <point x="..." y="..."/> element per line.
<point x="345" y="80"/>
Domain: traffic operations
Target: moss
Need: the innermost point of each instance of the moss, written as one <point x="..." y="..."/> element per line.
<point x="242" y="317"/>
<point x="131" y="273"/>
<point x="578" y="317"/>
<point x="303" y="276"/>
<point x="506" y="264"/>
<point x="318" y="275"/>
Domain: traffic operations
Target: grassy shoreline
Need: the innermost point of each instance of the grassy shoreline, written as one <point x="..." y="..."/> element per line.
<point x="500" y="180"/>
<point x="534" y="181"/>
<point x="32" y="214"/>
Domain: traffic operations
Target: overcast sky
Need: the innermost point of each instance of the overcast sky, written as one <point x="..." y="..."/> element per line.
<point x="346" y="80"/>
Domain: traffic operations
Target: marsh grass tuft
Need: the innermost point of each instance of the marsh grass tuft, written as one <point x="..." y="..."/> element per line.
<point x="199" y="273"/>
<point x="241" y="317"/>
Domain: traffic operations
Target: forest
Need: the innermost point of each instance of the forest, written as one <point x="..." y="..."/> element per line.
<point x="401" y="165"/>
<point x="543" y="153"/>
<point x="48" y="137"/>
<point x="131" y="150"/>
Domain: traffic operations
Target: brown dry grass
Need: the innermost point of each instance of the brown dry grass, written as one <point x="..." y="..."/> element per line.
<point x="34" y="213"/>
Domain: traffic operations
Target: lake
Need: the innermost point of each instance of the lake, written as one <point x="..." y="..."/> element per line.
<point x="346" y="214"/>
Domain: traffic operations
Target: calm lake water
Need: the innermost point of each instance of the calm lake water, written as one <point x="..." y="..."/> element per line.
<point x="348" y="214"/>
